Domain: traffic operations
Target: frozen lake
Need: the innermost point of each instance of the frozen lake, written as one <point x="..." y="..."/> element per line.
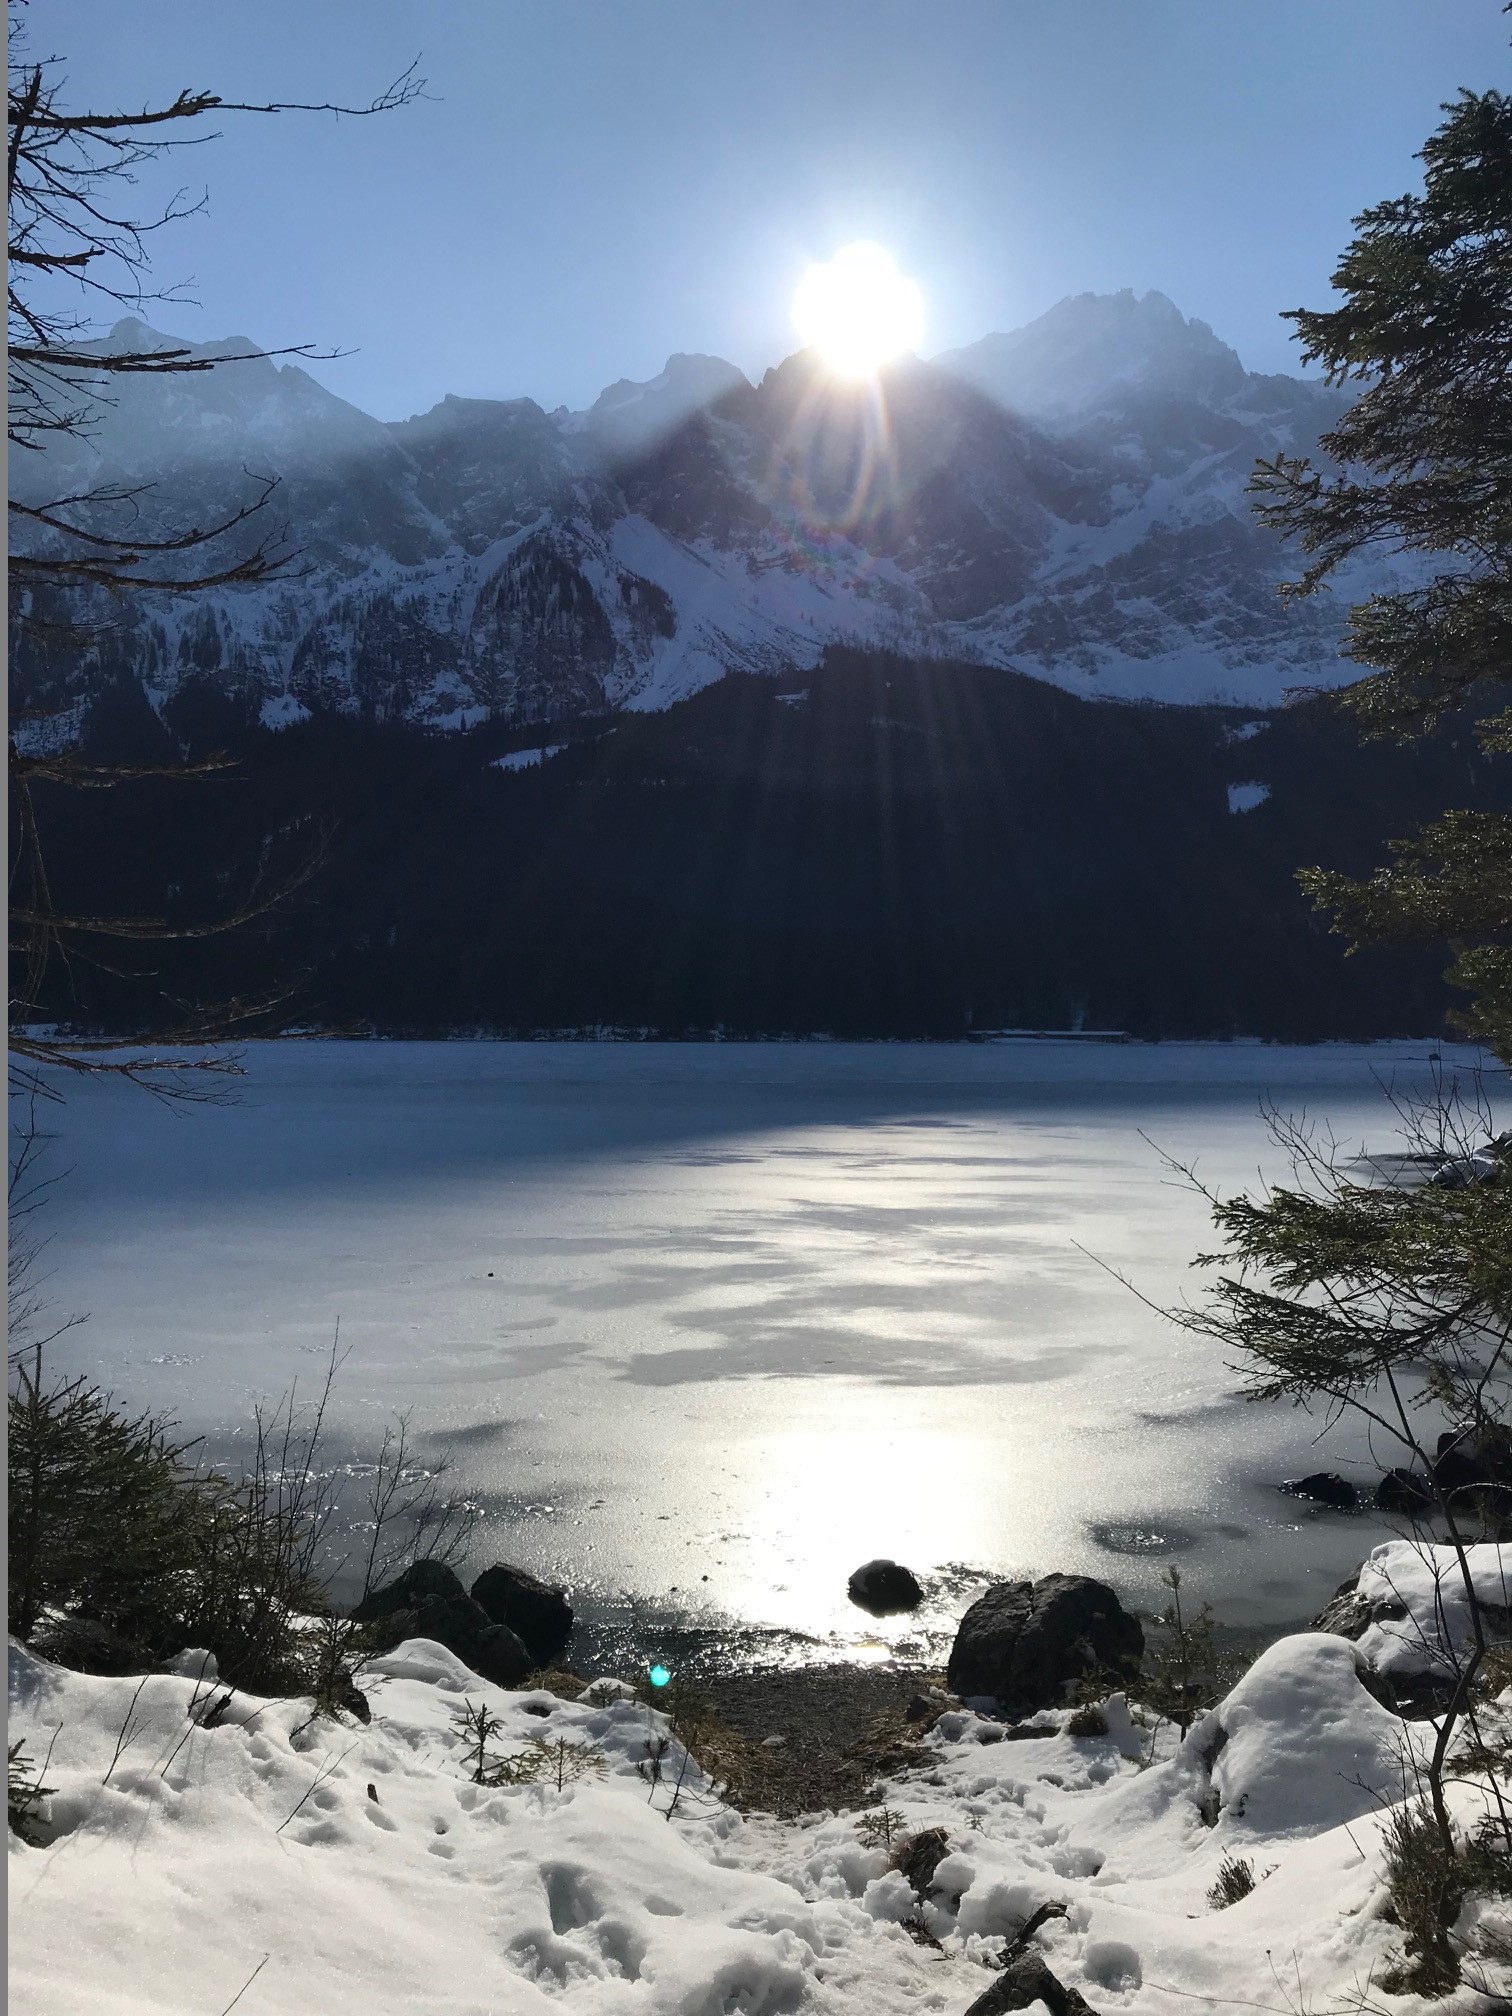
<point x="707" y="1325"/>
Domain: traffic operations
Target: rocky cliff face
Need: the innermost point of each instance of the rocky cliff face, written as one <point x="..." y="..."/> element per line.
<point x="1067" y="500"/>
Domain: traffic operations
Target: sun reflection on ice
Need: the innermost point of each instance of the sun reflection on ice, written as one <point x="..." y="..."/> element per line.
<point x="821" y="1500"/>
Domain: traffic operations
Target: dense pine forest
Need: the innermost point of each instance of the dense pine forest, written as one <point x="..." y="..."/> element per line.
<point x="884" y="850"/>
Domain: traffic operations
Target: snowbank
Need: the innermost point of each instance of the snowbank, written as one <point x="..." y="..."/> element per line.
<point x="1420" y="1615"/>
<point x="340" y="1868"/>
<point x="1299" y="1745"/>
<point x="365" y="1865"/>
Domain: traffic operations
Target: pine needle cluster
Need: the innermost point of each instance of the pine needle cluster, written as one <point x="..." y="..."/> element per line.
<point x="25" y="1793"/>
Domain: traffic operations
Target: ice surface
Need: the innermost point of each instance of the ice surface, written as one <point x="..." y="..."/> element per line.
<point x="750" y="1313"/>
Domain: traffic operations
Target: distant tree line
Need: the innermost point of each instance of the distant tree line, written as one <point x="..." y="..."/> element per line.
<point x="912" y="850"/>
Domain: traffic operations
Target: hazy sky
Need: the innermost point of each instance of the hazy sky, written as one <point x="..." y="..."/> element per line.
<point x="596" y="183"/>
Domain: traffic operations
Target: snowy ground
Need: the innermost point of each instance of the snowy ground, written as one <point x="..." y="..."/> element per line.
<point x="331" y="1868"/>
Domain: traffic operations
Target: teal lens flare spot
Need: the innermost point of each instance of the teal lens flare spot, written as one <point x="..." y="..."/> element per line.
<point x="660" y="1675"/>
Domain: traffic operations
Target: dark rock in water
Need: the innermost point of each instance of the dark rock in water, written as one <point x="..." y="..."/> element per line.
<point x="1022" y="1983"/>
<point x="884" y="1588"/>
<point x="1406" y="1491"/>
<point x="918" y="1857"/>
<point x="1023" y="1643"/>
<point x="1325" y="1487"/>
<point x="1468" y="1464"/>
<point x="539" y="1615"/>
<point x="421" y="1579"/>
<point x="88" y="1647"/>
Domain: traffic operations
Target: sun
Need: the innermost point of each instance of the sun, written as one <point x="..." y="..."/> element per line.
<point x="857" y="310"/>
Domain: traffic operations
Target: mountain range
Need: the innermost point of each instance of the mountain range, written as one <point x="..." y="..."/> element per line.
<point x="1066" y="501"/>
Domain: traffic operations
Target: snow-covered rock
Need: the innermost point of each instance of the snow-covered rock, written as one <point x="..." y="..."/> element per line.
<point x="1300" y="1744"/>
<point x="1414" y="1594"/>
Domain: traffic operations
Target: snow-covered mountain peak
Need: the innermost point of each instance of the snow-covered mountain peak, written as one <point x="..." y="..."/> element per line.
<point x="685" y="374"/>
<point x="131" y="335"/>
<point x="456" y="409"/>
<point x="631" y="416"/>
<point x="253" y="412"/>
<point x="1091" y="350"/>
<point x="1068" y="500"/>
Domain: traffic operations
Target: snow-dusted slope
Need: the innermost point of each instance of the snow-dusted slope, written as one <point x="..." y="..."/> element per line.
<point x="1068" y="500"/>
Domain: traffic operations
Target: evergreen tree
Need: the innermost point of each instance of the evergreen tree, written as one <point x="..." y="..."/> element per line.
<point x="1384" y="1288"/>
<point x="1424" y="467"/>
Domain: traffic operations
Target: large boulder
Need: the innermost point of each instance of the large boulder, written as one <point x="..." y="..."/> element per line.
<point x="1024" y="1643"/>
<point x="1346" y="1614"/>
<point x="420" y="1580"/>
<point x="918" y="1856"/>
<point x="884" y="1588"/>
<point x="465" y="1627"/>
<point x="1471" y="1463"/>
<point x="462" y="1626"/>
<point x="539" y="1615"/>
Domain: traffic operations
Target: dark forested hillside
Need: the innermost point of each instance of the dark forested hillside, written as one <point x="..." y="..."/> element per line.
<point x="893" y="850"/>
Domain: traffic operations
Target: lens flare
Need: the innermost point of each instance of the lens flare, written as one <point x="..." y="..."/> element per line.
<point x="659" y="1676"/>
<point x="858" y="311"/>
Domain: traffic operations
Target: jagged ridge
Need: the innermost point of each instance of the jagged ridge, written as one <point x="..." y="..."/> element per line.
<point x="1067" y="500"/>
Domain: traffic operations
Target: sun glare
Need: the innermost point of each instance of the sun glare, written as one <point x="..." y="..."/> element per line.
<point x="858" y="310"/>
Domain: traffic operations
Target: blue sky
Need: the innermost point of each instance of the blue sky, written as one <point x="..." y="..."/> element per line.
<point x="593" y="184"/>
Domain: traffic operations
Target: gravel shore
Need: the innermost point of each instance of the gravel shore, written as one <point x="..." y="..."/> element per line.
<point x="842" y="1727"/>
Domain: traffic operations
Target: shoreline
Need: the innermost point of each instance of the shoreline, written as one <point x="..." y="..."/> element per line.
<point x="712" y="1654"/>
<point x="818" y="1733"/>
<point x="622" y="1034"/>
